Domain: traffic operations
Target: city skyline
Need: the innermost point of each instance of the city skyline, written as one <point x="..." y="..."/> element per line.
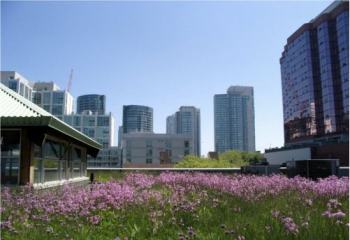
<point x="195" y="56"/>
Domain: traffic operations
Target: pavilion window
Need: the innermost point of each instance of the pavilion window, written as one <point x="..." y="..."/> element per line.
<point x="50" y="162"/>
<point x="76" y="162"/>
<point x="10" y="156"/>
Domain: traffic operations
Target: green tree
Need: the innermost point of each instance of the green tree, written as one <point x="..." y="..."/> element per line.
<point x="226" y="160"/>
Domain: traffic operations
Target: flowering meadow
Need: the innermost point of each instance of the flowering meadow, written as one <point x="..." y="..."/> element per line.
<point x="181" y="206"/>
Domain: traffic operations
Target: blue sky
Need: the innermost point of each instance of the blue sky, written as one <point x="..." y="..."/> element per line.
<point x="160" y="54"/>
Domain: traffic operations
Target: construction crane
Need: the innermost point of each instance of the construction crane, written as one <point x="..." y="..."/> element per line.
<point x="69" y="85"/>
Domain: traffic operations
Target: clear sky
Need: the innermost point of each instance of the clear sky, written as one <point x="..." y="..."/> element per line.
<point x="160" y="54"/>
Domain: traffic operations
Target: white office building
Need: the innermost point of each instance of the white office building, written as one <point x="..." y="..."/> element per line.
<point x="99" y="127"/>
<point x="17" y="83"/>
<point x="51" y="98"/>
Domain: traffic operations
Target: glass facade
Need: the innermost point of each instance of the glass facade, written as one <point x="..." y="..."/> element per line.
<point x="186" y="121"/>
<point x="234" y="120"/>
<point x="13" y="85"/>
<point x="137" y="119"/>
<point x="314" y="72"/>
<point x="10" y="156"/>
<point x="51" y="162"/>
<point x="297" y="88"/>
<point x="92" y="102"/>
<point x="55" y="102"/>
<point x="342" y="24"/>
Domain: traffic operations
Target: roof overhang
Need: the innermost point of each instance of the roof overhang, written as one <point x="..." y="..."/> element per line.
<point x="93" y="147"/>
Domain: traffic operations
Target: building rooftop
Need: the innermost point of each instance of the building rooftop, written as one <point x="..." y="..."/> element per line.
<point x="46" y="86"/>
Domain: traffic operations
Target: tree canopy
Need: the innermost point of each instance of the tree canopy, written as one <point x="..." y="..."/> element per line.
<point x="226" y="160"/>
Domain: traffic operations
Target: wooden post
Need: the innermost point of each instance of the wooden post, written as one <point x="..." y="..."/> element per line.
<point x="26" y="157"/>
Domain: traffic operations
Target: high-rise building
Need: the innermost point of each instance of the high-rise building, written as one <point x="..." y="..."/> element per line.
<point x="17" y="83"/>
<point x="92" y="102"/>
<point x="186" y="121"/>
<point x="51" y="98"/>
<point x="137" y="118"/>
<point x="234" y="126"/>
<point x="120" y="135"/>
<point x="171" y="124"/>
<point x="315" y="77"/>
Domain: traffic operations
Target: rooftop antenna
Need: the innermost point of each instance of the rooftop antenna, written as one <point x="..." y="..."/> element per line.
<point x="69" y="85"/>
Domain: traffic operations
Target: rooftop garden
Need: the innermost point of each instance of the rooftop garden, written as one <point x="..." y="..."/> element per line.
<point x="181" y="206"/>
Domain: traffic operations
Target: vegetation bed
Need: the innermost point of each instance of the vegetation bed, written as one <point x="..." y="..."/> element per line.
<point x="181" y="206"/>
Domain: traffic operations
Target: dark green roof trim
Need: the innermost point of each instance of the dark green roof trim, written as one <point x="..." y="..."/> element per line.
<point x="52" y="122"/>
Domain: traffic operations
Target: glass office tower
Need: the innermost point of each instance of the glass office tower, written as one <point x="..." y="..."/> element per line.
<point x="234" y="125"/>
<point x="315" y="77"/>
<point x="91" y="102"/>
<point x="137" y="118"/>
<point x="186" y="121"/>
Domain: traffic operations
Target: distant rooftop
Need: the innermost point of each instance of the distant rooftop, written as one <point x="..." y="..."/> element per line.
<point x="46" y="86"/>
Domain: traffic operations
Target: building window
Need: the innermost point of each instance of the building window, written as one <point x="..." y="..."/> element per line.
<point x="58" y="98"/>
<point x="37" y="98"/>
<point x="13" y="85"/>
<point x="102" y="121"/>
<point x="149" y="152"/>
<point x="187" y="144"/>
<point x="148" y="160"/>
<point x="10" y="156"/>
<point x="46" y="98"/>
<point x="57" y="110"/>
<point x="50" y="162"/>
<point x="76" y="167"/>
<point x="77" y="120"/>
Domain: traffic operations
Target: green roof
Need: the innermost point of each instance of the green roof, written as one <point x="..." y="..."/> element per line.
<point x="17" y="111"/>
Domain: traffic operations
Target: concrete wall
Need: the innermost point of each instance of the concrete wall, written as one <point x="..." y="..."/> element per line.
<point x="279" y="157"/>
<point x="137" y="148"/>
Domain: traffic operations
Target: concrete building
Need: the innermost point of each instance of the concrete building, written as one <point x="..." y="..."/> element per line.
<point x="137" y="118"/>
<point x="92" y="102"/>
<point x="315" y="77"/>
<point x="339" y="151"/>
<point x="17" y="83"/>
<point x="38" y="148"/>
<point x="154" y="150"/>
<point x="234" y="126"/>
<point x="51" y="98"/>
<point x="186" y="121"/>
